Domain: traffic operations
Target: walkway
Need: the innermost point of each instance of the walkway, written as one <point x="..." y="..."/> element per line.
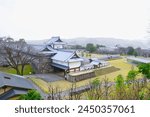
<point x="46" y="77"/>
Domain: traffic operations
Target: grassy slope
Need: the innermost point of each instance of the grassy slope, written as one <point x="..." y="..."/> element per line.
<point x="123" y="66"/>
<point x="106" y="70"/>
<point x="27" y="69"/>
<point x="41" y="83"/>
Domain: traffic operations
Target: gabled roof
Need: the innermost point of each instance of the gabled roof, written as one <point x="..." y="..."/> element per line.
<point x="14" y="81"/>
<point x="64" y="56"/>
<point x="49" y="49"/>
<point x="46" y="49"/>
<point x="38" y="48"/>
<point x="12" y="93"/>
<point x="55" y="40"/>
<point x="95" y="63"/>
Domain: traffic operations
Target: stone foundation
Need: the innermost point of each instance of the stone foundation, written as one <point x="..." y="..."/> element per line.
<point x="76" y="78"/>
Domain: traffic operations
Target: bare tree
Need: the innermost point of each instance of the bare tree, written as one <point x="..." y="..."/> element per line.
<point x="55" y="93"/>
<point x="17" y="54"/>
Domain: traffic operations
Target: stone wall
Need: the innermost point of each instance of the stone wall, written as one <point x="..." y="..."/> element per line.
<point x="80" y="77"/>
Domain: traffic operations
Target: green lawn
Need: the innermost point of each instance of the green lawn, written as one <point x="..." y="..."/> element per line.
<point x="41" y="83"/>
<point x="124" y="67"/>
<point x="107" y="70"/>
<point x="10" y="70"/>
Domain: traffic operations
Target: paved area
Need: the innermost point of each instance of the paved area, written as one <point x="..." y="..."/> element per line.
<point x="47" y="77"/>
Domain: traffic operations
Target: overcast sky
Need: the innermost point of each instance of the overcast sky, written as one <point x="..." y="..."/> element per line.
<point x="41" y="19"/>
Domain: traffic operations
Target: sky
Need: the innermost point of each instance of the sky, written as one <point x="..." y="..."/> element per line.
<point x="42" y="19"/>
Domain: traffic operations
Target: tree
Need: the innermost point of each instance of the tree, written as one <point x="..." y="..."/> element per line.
<point x="95" y="82"/>
<point x="120" y="87"/>
<point x="135" y="53"/>
<point x="122" y="50"/>
<point x="139" y="51"/>
<point x="79" y="47"/>
<point x="97" y="46"/>
<point x="17" y="54"/>
<point x="131" y="76"/>
<point x="130" y="50"/>
<point x="31" y="95"/>
<point x="145" y="70"/>
<point x="119" y="82"/>
<point x="90" y="47"/>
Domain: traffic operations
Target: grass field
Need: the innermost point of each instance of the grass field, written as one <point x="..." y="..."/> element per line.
<point x="106" y="70"/>
<point x="27" y="70"/>
<point x="119" y="66"/>
<point x="123" y="66"/>
<point x="41" y="83"/>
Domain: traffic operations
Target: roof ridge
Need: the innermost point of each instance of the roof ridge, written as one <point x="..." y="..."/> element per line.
<point x="71" y="55"/>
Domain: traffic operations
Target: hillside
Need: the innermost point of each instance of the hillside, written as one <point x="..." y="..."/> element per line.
<point x="110" y="42"/>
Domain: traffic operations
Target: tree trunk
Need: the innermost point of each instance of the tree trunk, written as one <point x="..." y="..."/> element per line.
<point x="145" y="81"/>
<point x="17" y="70"/>
<point x="22" y="69"/>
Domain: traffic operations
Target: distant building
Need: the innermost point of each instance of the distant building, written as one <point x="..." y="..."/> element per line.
<point x="56" y="43"/>
<point x="94" y="63"/>
<point x="110" y="57"/>
<point x="12" y="86"/>
<point x="108" y="50"/>
<point x="137" y="60"/>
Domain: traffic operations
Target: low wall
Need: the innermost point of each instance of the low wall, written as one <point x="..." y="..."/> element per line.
<point x="76" y="78"/>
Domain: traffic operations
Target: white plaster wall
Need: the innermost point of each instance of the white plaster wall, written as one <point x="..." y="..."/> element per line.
<point x="58" y="46"/>
<point x="60" y="62"/>
<point x="71" y="64"/>
<point x="75" y="64"/>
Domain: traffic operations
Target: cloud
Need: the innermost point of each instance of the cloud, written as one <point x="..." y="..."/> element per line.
<point x="37" y="19"/>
